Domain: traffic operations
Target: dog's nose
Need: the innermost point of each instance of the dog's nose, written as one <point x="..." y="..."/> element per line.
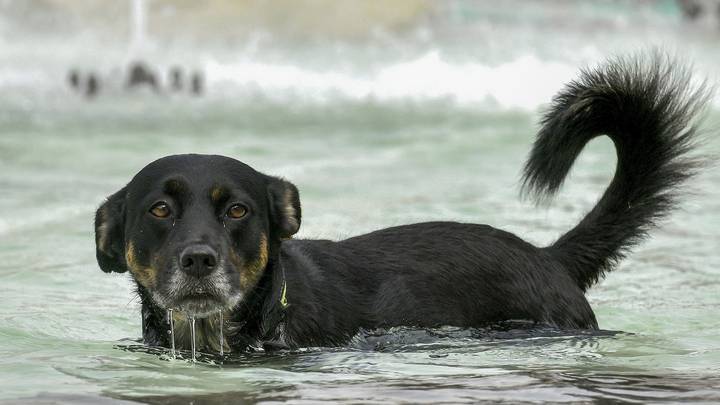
<point x="198" y="260"/>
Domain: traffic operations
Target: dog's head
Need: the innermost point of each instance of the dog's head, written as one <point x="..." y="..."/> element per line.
<point x="196" y="231"/>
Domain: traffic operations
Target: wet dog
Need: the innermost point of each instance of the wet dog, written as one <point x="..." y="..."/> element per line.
<point x="204" y="234"/>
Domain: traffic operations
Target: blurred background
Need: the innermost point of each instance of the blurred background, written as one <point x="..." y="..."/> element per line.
<point x="382" y="113"/>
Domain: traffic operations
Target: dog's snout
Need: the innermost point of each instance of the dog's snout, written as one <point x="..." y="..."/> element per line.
<point x="198" y="260"/>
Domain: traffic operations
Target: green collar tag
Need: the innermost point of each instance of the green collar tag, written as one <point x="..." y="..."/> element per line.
<point x="283" y="296"/>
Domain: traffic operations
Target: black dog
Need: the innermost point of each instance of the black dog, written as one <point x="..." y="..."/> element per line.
<point x="204" y="234"/>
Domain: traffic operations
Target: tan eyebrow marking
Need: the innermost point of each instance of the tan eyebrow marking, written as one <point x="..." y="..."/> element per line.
<point x="218" y="193"/>
<point x="175" y="187"/>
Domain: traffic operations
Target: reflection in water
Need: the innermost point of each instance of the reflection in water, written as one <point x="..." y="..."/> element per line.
<point x="553" y="386"/>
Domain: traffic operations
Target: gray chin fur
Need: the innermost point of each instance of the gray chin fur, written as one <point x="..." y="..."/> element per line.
<point x="197" y="297"/>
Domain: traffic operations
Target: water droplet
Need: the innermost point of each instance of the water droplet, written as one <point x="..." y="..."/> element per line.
<point x="192" y="336"/>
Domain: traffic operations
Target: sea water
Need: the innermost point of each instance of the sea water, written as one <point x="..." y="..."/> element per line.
<point x="433" y="124"/>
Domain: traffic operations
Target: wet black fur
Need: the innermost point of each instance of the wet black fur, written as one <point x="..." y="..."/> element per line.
<point x="447" y="273"/>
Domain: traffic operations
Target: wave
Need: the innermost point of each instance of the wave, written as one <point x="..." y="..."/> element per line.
<point x="523" y="83"/>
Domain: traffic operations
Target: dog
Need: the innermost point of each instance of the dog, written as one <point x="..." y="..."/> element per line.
<point x="207" y="235"/>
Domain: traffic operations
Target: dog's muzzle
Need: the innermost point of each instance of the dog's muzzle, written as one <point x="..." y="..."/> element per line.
<point x="198" y="285"/>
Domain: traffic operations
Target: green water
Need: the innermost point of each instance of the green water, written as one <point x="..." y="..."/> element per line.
<point x="364" y="157"/>
<point x="63" y="319"/>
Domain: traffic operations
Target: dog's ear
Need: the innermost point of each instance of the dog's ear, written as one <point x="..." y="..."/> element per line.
<point x="284" y="207"/>
<point x="110" y="234"/>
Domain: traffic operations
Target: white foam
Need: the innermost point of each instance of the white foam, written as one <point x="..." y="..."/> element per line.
<point x="526" y="82"/>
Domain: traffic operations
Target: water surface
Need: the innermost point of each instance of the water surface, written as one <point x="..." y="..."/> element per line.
<point x="372" y="137"/>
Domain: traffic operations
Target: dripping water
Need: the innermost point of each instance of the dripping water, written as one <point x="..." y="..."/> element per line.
<point x="192" y="336"/>
<point x="221" y="335"/>
<point x="171" y="332"/>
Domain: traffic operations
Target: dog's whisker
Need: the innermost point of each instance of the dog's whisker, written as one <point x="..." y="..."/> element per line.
<point x="134" y="297"/>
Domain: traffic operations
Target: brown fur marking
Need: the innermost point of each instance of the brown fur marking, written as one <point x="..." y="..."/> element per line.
<point x="252" y="271"/>
<point x="217" y="193"/>
<point x="144" y="275"/>
<point x="175" y="187"/>
<point x="289" y="210"/>
<point x="102" y="232"/>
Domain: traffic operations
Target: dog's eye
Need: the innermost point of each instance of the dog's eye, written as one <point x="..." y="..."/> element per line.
<point x="160" y="210"/>
<point x="237" y="211"/>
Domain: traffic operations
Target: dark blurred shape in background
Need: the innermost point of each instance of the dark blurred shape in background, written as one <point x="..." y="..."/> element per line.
<point x="92" y="86"/>
<point x="197" y="83"/>
<point x="699" y="9"/>
<point x="74" y="79"/>
<point x="176" y="78"/>
<point x="140" y="75"/>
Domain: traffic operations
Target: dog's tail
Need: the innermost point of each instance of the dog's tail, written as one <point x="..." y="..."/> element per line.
<point x="647" y="107"/>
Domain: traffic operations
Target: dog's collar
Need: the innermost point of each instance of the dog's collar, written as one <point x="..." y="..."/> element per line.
<point x="283" y="295"/>
<point x="268" y="331"/>
<point x="273" y="325"/>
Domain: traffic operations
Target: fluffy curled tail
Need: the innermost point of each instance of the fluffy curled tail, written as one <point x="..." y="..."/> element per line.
<point x="646" y="106"/>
